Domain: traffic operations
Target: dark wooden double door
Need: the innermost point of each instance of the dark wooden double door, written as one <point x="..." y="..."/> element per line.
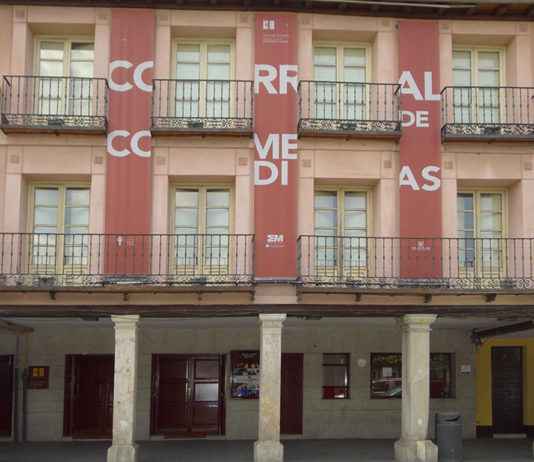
<point x="88" y="407"/>
<point x="6" y="395"/>
<point x="507" y="389"/>
<point x="187" y="395"/>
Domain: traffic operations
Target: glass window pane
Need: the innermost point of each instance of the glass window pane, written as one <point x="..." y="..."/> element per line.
<point x="355" y="201"/>
<point x="217" y="217"/>
<point x="186" y="198"/>
<point x="441" y="375"/>
<point x="461" y="78"/>
<point x="218" y="72"/>
<point x="357" y="219"/>
<point x="50" y="69"/>
<point x="186" y="218"/>
<point x="386" y="375"/>
<point x="489" y="79"/>
<point x="218" y="198"/>
<point x="188" y="54"/>
<point x="324" y="56"/>
<point x="461" y="59"/>
<point x="325" y="219"/>
<point x="324" y="199"/>
<point x="354" y="57"/>
<point x="490" y="202"/>
<point x="206" y="392"/>
<point x="45" y="216"/>
<point x="47" y="196"/>
<point x="335" y="376"/>
<point x="81" y="69"/>
<point x="188" y="71"/>
<point x="488" y="60"/>
<point x="355" y="74"/>
<point x="218" y="54"/>
<point x="82" y="51"/>
<point x="52" y="50"/>
<point x="77" y="197"/>
<point x="77" y="216"/>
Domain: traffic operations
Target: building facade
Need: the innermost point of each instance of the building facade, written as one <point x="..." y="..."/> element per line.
<point x="266" y="221"/>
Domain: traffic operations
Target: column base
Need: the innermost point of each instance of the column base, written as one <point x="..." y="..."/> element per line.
<point x="416" y="451"/>
<point x="122" y="453"/>
<point x="268" y="451"/>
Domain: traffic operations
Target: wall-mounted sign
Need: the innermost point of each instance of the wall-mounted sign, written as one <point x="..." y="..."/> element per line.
<point x="38" y="377"/>
<point x="420" y="149"/>
<point x="245" y="379"/>
<point x="275" y="140"/>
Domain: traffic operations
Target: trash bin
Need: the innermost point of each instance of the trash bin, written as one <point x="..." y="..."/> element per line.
<point x="449" y="436"/>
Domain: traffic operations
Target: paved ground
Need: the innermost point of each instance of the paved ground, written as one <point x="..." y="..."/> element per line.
<point x="241" y="451"/>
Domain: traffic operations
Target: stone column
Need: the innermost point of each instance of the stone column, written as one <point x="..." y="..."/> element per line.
<point x="123" y="448"/>
<point x="268" y="447"/>
<point x="414" y="445"/>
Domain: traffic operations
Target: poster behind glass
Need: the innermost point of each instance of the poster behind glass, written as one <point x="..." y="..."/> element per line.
<point x="245" y="374"/>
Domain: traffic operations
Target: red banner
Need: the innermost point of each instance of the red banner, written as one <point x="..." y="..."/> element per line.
<point x="129" y="164"/>
<point x="275" y="138"/>
<point x="420" y="149"/>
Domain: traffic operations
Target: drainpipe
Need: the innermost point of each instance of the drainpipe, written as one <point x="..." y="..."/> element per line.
<point x="19" y="380"/>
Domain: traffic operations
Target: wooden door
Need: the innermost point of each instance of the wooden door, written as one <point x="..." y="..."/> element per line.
<point x="6" y="395"/>
<point x="187" y="395"/>
<point x="507" y="389"/>
<point x="291" y="394"/>
<point x="89" y="396"/>
<point x="170" y="385"/>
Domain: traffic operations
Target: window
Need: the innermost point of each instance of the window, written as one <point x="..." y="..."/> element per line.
<point x="203" y="73"/>
<point x="340" y="74"/>
<point x="480" y="232"/>
<point x="386" y="375"/>
<point x="479" y="76"/>
<point x="58" y="59"/>
<point x="336" y="376"/>
<point x="341" y="228"/>
<point x="60" y="224"/>
<point x="202" y="225"/>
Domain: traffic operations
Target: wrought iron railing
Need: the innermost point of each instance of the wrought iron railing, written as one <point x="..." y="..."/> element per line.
<point x="202" y="106"/>
<point x="370" y="109"/>
<point x="391" y="262"/>
<point x="53" y="103"/>
<point x="487" y="112"/>
<point x="52" y="260"/>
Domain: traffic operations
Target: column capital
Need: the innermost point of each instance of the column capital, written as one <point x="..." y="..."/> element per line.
<point x="417" y="322"/>
<point x="268" y="320"/>
<point x="129" y="321"/>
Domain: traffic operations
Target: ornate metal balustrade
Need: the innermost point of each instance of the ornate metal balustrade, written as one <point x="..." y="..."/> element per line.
<point x="53" y="104"/>
<point x="202" y="106"/>
<point x="59" y="260"/>
<point x="487" y="113"/>
<point x="349" y="109"/>
<point x="439" y="263"/>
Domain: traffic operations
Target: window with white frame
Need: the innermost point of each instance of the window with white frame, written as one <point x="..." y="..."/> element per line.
<point x="203" y="73"/>
<point x="60" y="223"/>
<point x="340" y="73"/>
<point x="341" y="229"/>
<point x="65" y="69"/>
<point x="477" y="76"/>
<point x="481" y="222"/>
<point x="202" y="226"/>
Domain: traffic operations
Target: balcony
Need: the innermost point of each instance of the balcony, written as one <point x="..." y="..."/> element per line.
<point x="202" y="106"/>
<point x="53" y="104"/>
<point x="349" y="109"/>
<point x="487" y="113"/>
<point x="50" y="261"/>
<point x="424" y="263"/>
